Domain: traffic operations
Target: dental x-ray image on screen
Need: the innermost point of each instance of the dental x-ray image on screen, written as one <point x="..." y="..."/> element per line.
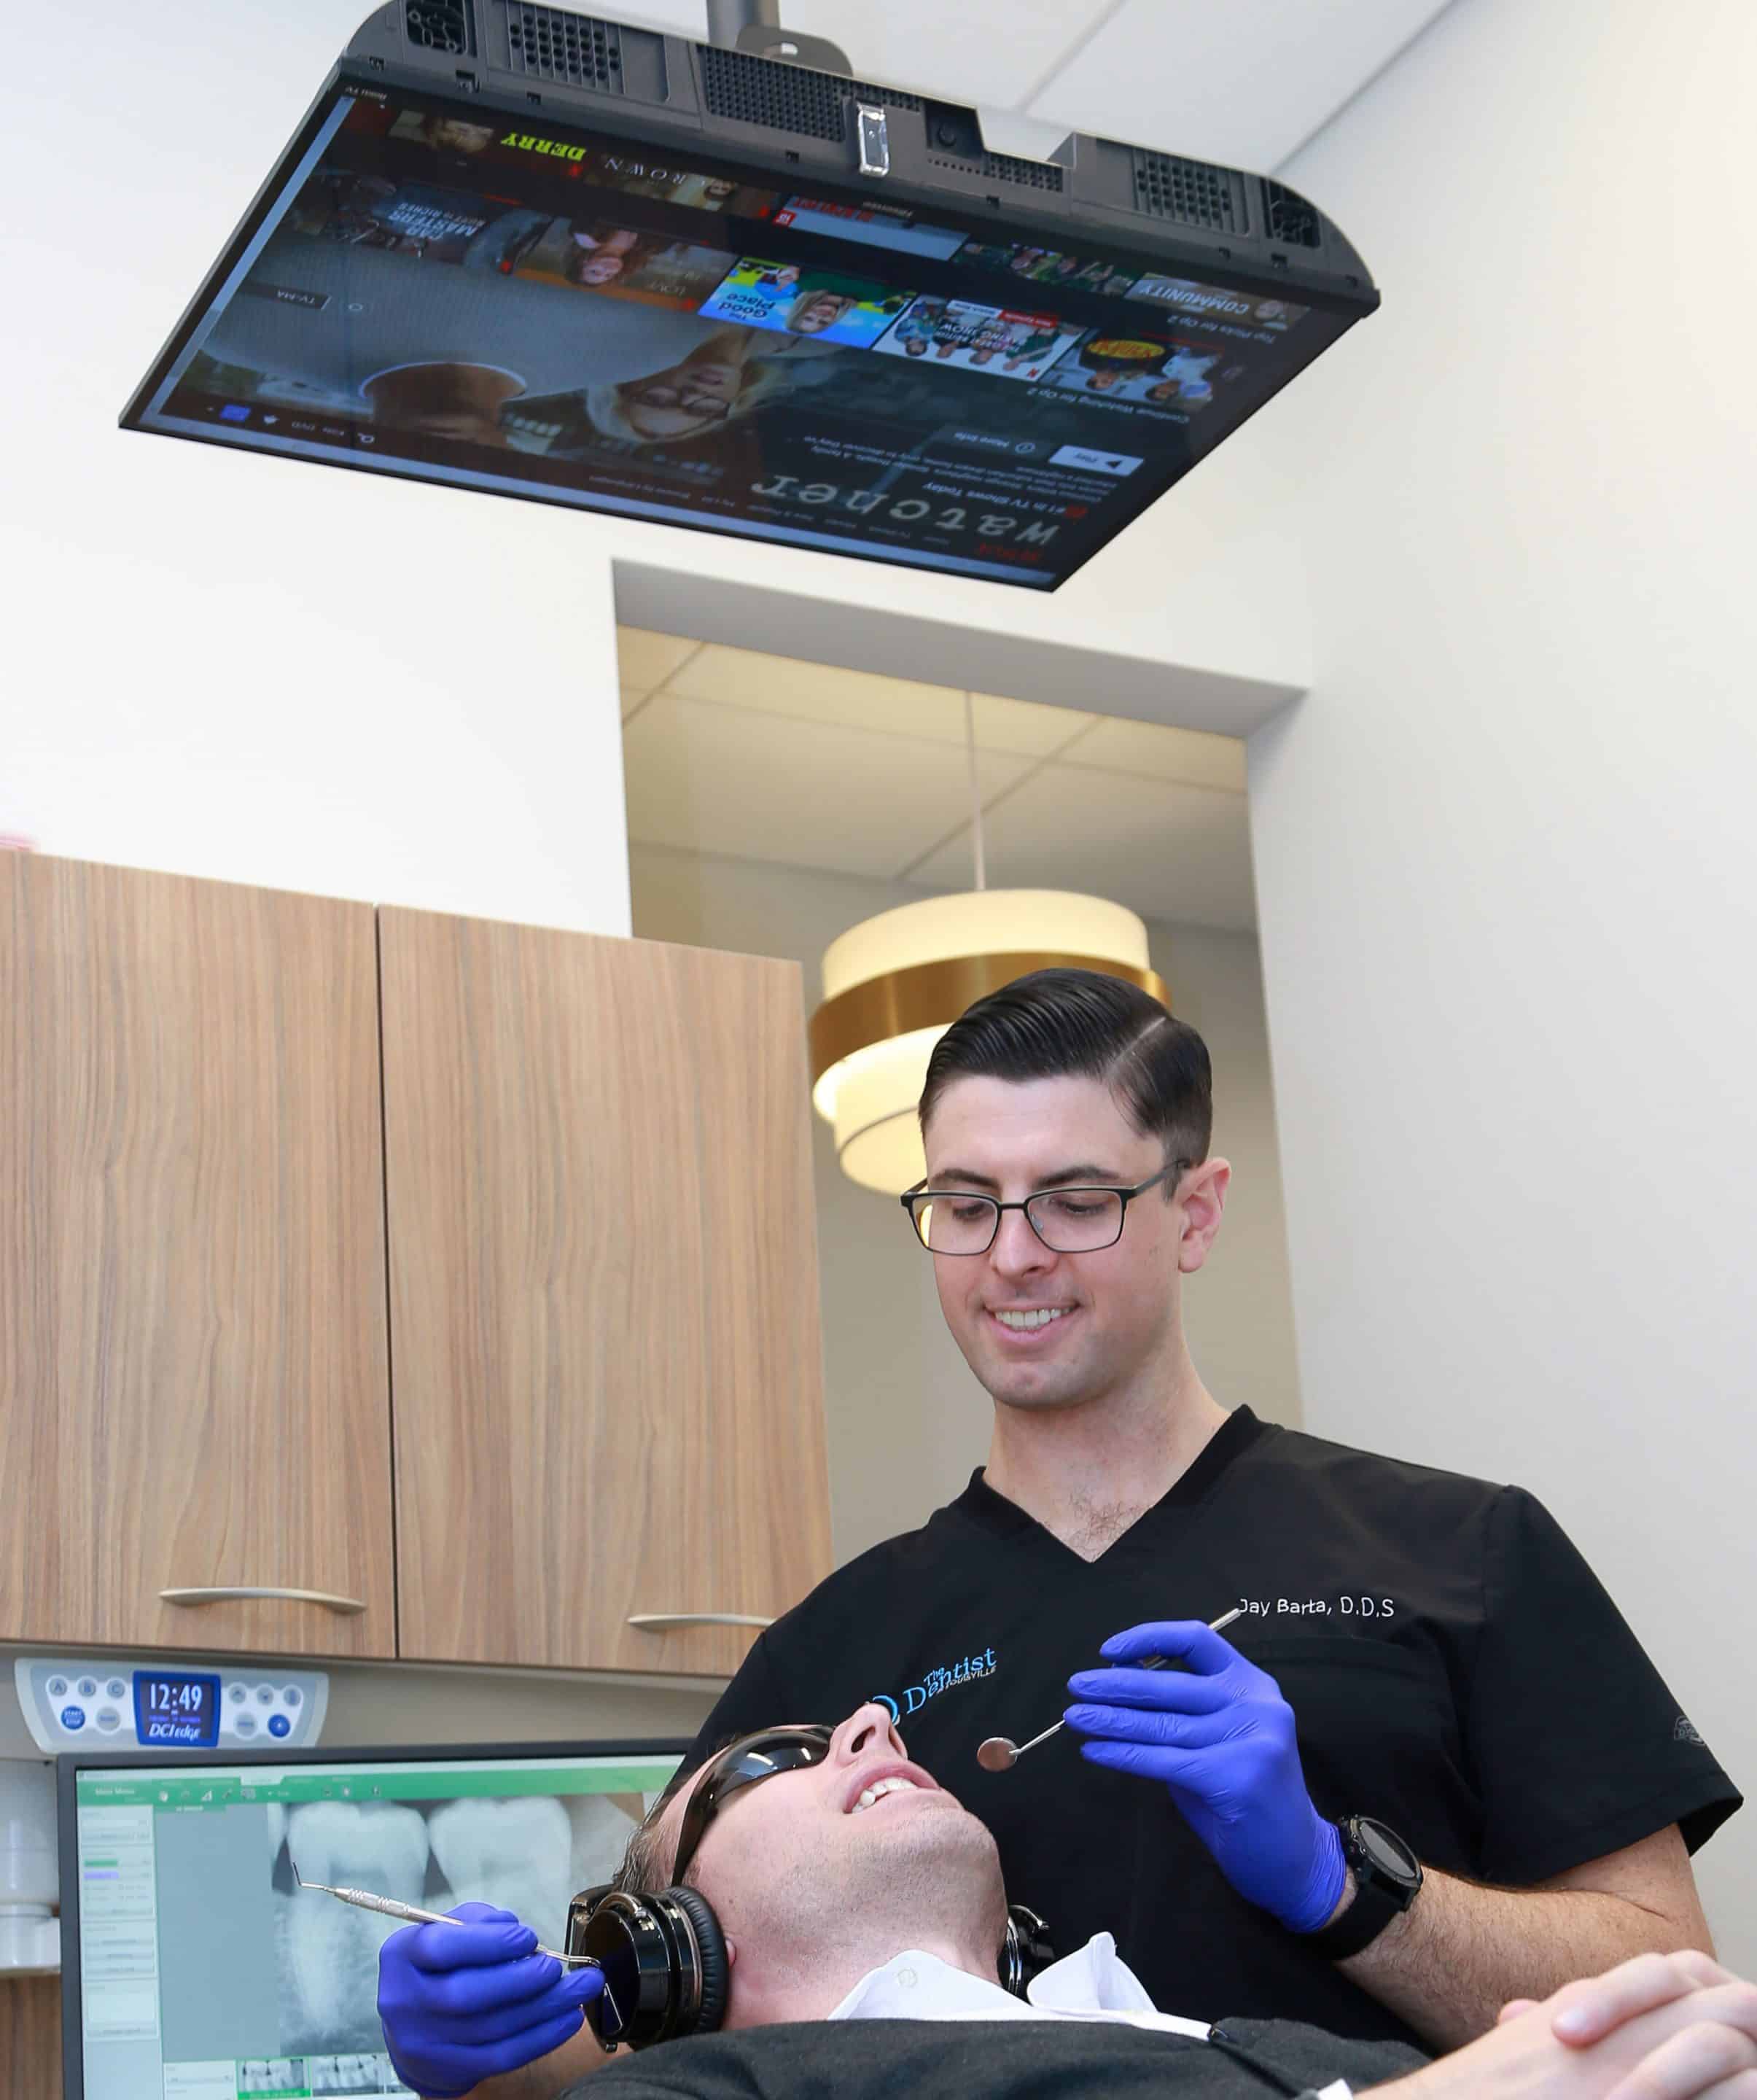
<point x="529" y="1854"/>
<point x="203" y="1972"/>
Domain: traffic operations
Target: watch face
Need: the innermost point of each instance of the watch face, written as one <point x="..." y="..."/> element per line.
<point x="1385" y="1851"/>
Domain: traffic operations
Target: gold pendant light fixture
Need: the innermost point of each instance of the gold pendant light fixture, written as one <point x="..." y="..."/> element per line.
<point x="893" y="985"/>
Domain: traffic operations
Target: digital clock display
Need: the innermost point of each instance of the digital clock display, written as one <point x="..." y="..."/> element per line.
<point x="176" y="1710"/>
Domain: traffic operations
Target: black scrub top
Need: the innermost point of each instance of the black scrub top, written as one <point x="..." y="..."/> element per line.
<point x="1455" y="1668"/>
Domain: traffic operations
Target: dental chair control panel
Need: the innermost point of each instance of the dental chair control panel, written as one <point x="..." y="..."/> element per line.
<point x="70" y="1703"/>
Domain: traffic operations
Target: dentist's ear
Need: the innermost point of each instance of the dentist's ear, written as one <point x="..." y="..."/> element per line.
<point x="1203" y="1196"/>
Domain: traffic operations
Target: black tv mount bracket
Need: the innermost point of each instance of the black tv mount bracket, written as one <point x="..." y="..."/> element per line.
<point x="754" y="26"/>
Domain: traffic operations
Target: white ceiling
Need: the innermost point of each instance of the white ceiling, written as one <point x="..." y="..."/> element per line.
<point x="1246" y="83"/>
<point x="771" y="759"/>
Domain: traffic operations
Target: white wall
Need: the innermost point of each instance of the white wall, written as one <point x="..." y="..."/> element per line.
<point x="1239" y="1310"/>
<point x="234" y="666"/>
<point x="906" y="1420"/>
<point x="242" y="667"/>
<point x="1506" y="853"/>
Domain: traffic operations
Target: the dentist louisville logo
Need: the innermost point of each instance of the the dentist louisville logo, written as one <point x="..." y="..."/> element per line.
<point x="915" y="1696"/>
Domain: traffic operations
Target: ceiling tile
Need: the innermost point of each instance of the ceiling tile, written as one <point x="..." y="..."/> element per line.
<point x="1162" y="753"/>
<point x="1166" y="850"/>
<point x="645" y="660"/>
<point x="822" y="692"/>
<point x="1026" y="727"/>
<point x="862" y="699"/>
<point x="1244" y="85"/>
<point x="631" y="699"/>
<point x="812" y="794"/>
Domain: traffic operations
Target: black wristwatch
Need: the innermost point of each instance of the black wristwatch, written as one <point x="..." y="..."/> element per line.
<point x="1387" y="1874"/>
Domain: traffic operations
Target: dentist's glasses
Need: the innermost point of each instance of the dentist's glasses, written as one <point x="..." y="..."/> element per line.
<point x="1079" y="1220"/>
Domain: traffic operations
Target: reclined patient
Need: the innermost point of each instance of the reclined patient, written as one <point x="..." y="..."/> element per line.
<point x="822" y="1910"/>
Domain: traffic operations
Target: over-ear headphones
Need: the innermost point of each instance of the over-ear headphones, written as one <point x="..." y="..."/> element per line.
<point x="1026" y="1949"/>
<point x="665" y="1968"/>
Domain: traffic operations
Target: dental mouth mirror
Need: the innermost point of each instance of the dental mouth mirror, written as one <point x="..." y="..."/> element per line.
<point x="389" y="1906"/>
<point x="999" y="1753"/>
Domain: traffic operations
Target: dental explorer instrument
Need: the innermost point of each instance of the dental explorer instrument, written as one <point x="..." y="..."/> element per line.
<point x="389" y="1906"/>
<point x="999" y="1753"/>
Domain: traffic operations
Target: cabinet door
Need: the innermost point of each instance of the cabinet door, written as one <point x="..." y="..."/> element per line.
<point x="30" y="2037"/>
<point x="193" y="1387"/>
<point x="607" y="1362"/>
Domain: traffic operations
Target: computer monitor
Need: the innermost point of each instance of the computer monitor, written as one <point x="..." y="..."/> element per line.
<point x="192" y="1966"/>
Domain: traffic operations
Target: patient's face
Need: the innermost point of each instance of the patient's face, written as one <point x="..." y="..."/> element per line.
<point x="854" y="1859"/>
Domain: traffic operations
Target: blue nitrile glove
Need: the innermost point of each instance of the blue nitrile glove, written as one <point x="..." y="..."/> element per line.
<point x="1221" y="1736"/>
<point x="460" y="2004"/>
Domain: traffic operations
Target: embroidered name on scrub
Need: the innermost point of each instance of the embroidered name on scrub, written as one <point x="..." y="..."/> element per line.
<point x="915" y="1696"/>
<point x="1346" y="1607"/>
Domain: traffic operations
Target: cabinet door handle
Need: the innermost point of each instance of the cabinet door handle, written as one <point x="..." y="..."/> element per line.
<point x="346" y="1606"/>
<point x="662" y="1622"/>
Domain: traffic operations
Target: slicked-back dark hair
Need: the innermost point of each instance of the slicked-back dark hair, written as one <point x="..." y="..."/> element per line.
<point x="1056" y="1024"/>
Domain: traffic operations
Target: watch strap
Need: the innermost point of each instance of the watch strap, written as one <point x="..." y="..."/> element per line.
<point x="1372" y="1911"/>
<point x="1378" y="1896"/>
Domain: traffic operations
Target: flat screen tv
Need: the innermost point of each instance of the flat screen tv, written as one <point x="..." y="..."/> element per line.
<point x="545" y="254"/>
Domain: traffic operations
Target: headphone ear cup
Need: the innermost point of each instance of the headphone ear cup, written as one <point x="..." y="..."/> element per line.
<point x="1026" y="1950"/>
<point x="711" y="1947"/>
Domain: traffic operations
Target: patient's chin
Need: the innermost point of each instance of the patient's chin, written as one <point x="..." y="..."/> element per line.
<point x="930" y="1864"/>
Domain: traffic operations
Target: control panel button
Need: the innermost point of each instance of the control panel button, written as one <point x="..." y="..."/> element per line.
<point x="108" y="1720"/>
<point x="280" y="1725"/>
<point x="57" y="1687"/>
<point x="72" y="1718"/>
<point x="115" y="1689"/>
<point x="87" y="1687"/>
<point x="293" y="1695"/>
<point x="236" y="1694"/>
<point x="244" y="1725"/>
<point x="265" y="1695"/>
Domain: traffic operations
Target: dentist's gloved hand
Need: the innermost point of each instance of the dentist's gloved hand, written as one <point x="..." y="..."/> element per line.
<point x="462" y="2004"/>
<point x="1221" y="1736"/>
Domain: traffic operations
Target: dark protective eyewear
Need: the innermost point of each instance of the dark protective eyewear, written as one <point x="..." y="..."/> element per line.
<point x="740" y="1765"/>
<point x="1074" y="1221"/>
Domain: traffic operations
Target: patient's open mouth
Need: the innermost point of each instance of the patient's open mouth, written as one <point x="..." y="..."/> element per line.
<point x="868" y="1795"/>
<point x="887" y="1780"/>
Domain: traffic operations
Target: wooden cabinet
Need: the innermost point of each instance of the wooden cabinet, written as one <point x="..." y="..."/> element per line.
<point x="591" y="1341"/>
<point x="604" y="1295"/>
<point x="193" y="1382"/>
<point x="30" y="2037"/>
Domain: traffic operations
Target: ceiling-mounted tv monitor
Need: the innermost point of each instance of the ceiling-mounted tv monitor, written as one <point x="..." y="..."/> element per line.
<point x="541" y="253"/>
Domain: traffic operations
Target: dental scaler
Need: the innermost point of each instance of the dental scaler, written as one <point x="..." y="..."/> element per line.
<point x="389" y="1906"/>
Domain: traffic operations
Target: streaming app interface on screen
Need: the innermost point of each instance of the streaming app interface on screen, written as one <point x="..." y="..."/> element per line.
<point x="206" y="1974"/>
<point x="545" y="312"/>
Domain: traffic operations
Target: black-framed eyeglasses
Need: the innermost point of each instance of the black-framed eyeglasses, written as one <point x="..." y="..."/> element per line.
<point x="1074" y="1221"/>
<point x="740" y="1765"/>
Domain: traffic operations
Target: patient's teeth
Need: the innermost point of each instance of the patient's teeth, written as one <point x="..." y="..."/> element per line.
<point x="600" y="1832"/>
<point x="518" y="1854"/>
<point x="330" y="1974"/>
<point x="895" y="1784"/>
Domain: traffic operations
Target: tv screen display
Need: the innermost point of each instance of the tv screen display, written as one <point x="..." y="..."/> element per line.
<point x="430" y="288"/>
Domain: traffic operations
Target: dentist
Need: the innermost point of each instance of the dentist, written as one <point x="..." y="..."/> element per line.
<point x="1431" y="1770"/>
